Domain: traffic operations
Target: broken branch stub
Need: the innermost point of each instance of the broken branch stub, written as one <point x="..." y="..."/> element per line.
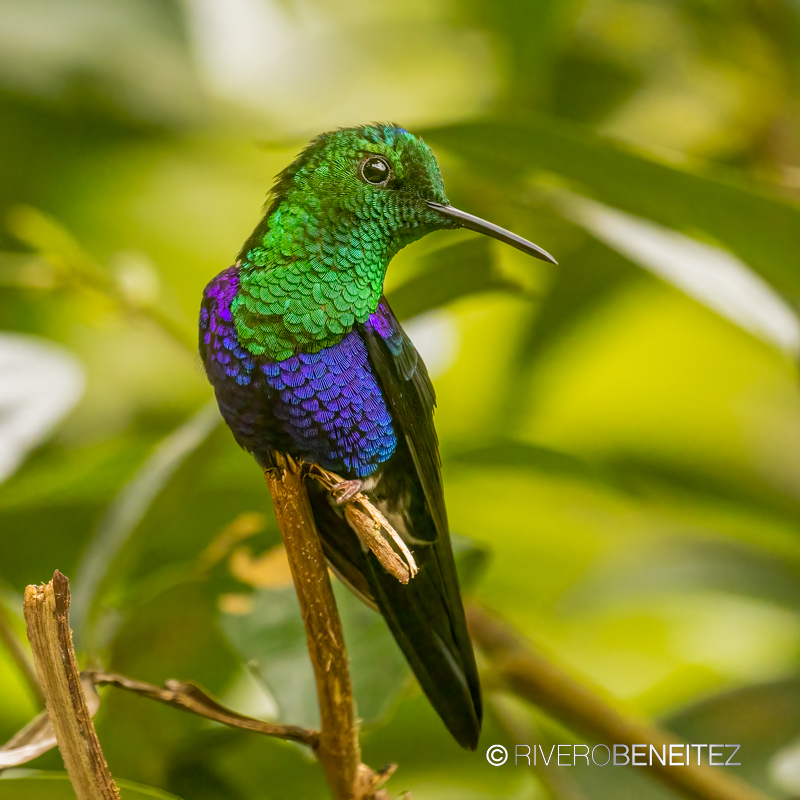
<point x="373" y="529"/>
<point x="47" y="621"/>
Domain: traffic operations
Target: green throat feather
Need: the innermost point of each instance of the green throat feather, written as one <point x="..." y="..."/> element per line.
<point x="315" y="265"/>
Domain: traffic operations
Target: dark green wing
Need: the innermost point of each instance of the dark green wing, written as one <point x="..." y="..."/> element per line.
<point x="426" y="616"/>
<point x="409" y="393"/>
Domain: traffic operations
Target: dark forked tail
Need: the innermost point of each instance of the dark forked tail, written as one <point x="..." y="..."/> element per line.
<point x="425" y="616"/>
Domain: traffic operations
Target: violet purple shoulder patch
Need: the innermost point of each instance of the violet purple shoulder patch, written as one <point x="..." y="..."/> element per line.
<point x="332" y="407"/>
<point x="219" y="344"/>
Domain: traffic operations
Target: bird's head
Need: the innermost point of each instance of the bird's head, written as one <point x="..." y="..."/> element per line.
<point x="379" y="183"/>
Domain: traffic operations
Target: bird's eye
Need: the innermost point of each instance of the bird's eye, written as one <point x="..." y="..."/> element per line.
<point x="375" y="170"/>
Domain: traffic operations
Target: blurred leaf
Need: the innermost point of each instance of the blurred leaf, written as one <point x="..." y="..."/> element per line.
<point x="267" y="631"/>
<point x="581" y="285"/>
<point x="170" y="635"/>
<point x="762" y="718"/>
<point x="668" y="483"/>
<point x="132" y="286"/>
<point x="128" y="63"/>
<point x="56" y="786"/>
<point x="129" y="508"/>
<point x="42" y="382"/>
<point x="710" y="275"/>
<point x="448" y="273"/>
<point x="587" y="86"/>
<point x="38" y="736"/>
<point x="271" y="638"/>
<point x="56" y="476"/>
<point x="762" y="229"/>
<point x="687" y="566"/>
<point x="186" y="531"/>
<point x="472" y="559"/>
<point x="529" y="36"/>
<point x="512" y="454"/>
<point x="48" y="237"/>
<point x="651" y="479"/>
<point x="235" y="765"/>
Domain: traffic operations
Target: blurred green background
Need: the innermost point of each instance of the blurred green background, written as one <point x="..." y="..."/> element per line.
<point x="620" y="434"/>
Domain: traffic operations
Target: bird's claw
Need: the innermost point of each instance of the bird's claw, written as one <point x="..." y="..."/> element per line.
<point x="345" y="491"/>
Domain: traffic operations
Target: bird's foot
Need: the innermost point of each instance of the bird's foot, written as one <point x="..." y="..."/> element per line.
<point x="345" y="491"/>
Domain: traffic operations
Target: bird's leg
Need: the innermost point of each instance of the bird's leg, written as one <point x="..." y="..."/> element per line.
<point x="346" y="490"/>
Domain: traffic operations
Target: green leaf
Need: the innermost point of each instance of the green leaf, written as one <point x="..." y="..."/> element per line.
<point x="512" y="454"/>
<point x="681" y="567"/>
<point x="712" y="276"/>
<point x="588" y="87"/>
<point x="762" y="229"/>
<point x="272" y="638"/>
<point x="170" y="635"/>
<point x="530" y="35"/>
<point x="185" y="534"/>
<point x="236" y="765"/>
<point x="55" y="477"/>
<point x="649" y="479"/>
<point x="43" y="381"/>
<point x="581" y="285"/>
<point x="762" y="718"/>
<point x="667" y="482"/>
<point x="60" y="492"/>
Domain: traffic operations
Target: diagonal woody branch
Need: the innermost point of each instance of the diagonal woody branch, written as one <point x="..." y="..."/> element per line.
<point x="339" y="752"/>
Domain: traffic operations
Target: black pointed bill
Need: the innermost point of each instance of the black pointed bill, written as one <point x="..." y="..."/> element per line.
<point x="490" y="229"/>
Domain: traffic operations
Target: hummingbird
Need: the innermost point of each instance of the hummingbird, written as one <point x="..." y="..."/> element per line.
<point x="306" y="358"/>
